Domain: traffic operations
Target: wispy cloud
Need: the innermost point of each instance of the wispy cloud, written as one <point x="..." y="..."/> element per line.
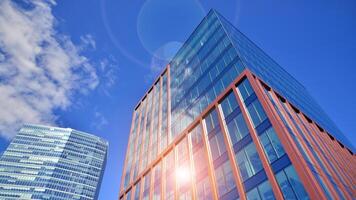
<point x="40" y="69"/>
<point x="100" y="121"/>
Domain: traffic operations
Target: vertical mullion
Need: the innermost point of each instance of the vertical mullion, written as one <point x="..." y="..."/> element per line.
<point x="302" y="169"/>
<point x="269" y="172"/>
<point x="339" y="158"/>
<point x="324" y="162"/>
<point x="305" y="146"/>
<point x="229" y="148"/>
<point x="328" y="148"/>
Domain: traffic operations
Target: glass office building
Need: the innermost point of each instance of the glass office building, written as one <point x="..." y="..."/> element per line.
<point x="45" y="162"/>
<point x="225" y="121"/>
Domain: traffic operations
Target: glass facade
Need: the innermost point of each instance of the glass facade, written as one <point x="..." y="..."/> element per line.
<point x="45" y="162"/>
<point x="209" y="129"/>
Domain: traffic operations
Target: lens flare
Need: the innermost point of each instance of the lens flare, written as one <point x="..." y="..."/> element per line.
<point x="183" y="175"/>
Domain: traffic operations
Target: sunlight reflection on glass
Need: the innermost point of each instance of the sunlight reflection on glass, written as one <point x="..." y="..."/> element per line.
<point x="183" y="175"/>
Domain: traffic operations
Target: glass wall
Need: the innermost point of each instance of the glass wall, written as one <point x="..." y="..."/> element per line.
<point x="137" y="190"/>
<point x="291" y="186"/>
<point x="262" y="192"/>
<point x="146" y="186"/>
<point x="43" y="162"/>
<point x="183" y="171"/>
<point x="157" y="181"/>
<point x="170" y="175"/>
<point x="270" y="142"/>
<point x="222" y="166"/>
<point x="199" y="76"/>
<point x="201" y="166"/>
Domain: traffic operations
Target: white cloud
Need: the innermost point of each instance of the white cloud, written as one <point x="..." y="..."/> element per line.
<point x="100" y="121"/>
<point x="40" y="69"/>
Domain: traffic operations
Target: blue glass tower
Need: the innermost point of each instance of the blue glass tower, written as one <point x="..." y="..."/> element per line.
<point x="229" y="117"/>
<point x="45" y="162"/>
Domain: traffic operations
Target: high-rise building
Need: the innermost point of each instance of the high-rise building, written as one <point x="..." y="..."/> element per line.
<point x="225" y="121"/>
<point x="53" y="163"/>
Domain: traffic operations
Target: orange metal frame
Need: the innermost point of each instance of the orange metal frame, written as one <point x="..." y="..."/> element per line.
<point x="310" y="183"/>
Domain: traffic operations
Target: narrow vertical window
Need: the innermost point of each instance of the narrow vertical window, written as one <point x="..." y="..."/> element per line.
<point x="248" y="161"/>
<point x="203" y="187"/>
<point x="271" y="145"/>
<point x="169" y="176"/>
<point x="146" y="186"/>
<point x="157" y="182"/>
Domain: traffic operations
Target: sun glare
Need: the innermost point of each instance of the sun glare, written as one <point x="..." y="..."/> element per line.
<point x="183" y="175"/>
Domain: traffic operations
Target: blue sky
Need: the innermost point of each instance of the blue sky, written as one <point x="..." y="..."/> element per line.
<point x="101" y="56"/>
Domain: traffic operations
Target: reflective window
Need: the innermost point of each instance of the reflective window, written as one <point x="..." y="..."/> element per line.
<point x="170" y="176"/>
<point x="256" y="113"/>
<point x="291" y="186"/>
<point x="248" y="161"/>
<point x="245" y="89"/>
<point x="224" y="178"/>
<point x="271" y="145"/>
<point x="237" y="128"/>
<point x="196" y="136"/>
<point x="137" y="191"/>
<point x="128" y="195"/>
<point x="204" y="189"/>
<point x="157" y="182"/>
<point x="229" y="104"/>
<point x="217" y="145"/>
<point x="211" y="121"/>
<point x="146" y="186"/>
<point x="183" y="170"/>
<point x="261" y="192"/>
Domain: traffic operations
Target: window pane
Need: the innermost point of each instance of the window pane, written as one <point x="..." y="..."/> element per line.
<point x="200" y="161"/>
<point x="265" y="190"/>
<point x="128" y="195"/>
<point x="204" y="189"/>
<point x="276" y="142"/>
<point x="248" y="161"/>
<point x="253" y="195"/>
<point x="157" y="182"/>
<point x="244" y="166"/>
<point x="285" y="186"/>
<point x="245" y="89"/>
<point x="291" y="186"/>
<point x="196" y="136"/>
<point x="217" y="145"/>
<point x="237" y="129"/>
<point x="229" y="104"/>
<point x="271" y="145"/>
<point x="211" y="121"/>
<point x="146" y="186"/>
<point x="137" y="191"/>
<point x="253" y="157"/>
<point x="224" y="178"/>
<point x="296" y="183"/>
<point x="256" y="113"/>
<point x="268" y="148"/>
<point x="169" y="176"/>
